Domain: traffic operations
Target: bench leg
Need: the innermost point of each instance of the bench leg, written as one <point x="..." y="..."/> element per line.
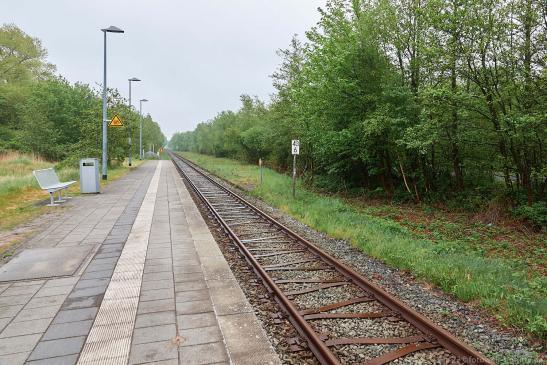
<point x="60" y="200"/>
<point x="52" y="202"/>
<point x="66" y="194"/>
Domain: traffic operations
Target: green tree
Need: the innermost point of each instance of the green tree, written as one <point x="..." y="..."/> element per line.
<point x="47" y="115"/>
<point x="22" y="58"/>
<point x="421" y="99"/>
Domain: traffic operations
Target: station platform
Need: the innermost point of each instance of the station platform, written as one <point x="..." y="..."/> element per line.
<point x="128" y="276"/>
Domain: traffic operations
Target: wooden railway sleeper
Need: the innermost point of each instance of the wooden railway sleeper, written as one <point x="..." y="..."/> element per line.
<point x="316" y="344"/>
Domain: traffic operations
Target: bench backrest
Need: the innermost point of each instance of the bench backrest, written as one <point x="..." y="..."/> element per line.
<point x="46" y="177"/>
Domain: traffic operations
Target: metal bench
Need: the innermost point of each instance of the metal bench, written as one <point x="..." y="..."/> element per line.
<point x="48" y="180"/>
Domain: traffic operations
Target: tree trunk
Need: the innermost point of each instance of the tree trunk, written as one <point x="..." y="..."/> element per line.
<point x="385" y="176"/>
<point x="502" y="145"/>
<point x="456" y="163"/>
<point x="389" y="175"/>
<point x="425" y="173"/>
<point x="404" y="177"/>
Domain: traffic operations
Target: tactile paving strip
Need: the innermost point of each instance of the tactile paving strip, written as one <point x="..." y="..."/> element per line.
<point x="109" y="340"/>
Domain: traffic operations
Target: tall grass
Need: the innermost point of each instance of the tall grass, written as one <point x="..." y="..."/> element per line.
<point x="19" y="190"/>
<point x="510" y="291"/>
<point x="16" y="171"/>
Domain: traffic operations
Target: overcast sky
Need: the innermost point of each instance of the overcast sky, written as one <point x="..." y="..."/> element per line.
<point x="195" y="57"/>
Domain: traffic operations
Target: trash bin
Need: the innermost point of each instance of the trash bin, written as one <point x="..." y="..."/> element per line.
<point x="89" y="176"/>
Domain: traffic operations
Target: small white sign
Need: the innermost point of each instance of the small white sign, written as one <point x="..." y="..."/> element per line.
<point x="295" y="147"/>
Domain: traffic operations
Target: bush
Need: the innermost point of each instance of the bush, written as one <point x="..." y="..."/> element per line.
<point x="536" y="214"/>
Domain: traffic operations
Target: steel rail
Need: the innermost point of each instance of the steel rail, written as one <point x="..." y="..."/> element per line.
<point x="463" y="351"/>
<point x="318" y="347"/>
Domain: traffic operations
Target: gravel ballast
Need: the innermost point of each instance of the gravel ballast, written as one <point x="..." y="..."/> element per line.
<point x="468" y="323"/>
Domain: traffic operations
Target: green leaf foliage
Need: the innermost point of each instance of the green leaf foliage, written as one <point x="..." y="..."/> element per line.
<point x="45" y="114"/>
<point x="428" y="100"/>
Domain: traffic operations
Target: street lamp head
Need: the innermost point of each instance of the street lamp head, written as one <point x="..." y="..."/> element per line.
<point x="144" y="100"/>
<point x="134" y="79"/>
<point x="112" y="29"/>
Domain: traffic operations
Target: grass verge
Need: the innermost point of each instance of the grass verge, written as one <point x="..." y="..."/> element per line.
<point x="507" y="288"/>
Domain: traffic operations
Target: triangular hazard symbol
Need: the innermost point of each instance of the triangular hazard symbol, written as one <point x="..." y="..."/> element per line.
<point x="115" y="122"/>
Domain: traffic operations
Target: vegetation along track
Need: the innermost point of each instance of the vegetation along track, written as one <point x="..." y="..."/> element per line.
<point x="329" y="304"/>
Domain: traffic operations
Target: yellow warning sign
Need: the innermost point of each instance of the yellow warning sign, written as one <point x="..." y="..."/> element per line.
<point x="115" y="122"/>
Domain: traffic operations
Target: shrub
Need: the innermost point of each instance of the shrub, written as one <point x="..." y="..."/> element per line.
<point x="536" y="214"/>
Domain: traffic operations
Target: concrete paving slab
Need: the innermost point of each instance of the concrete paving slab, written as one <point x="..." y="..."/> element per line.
<point x="18" y="290"/>
<point x="55" y="300"/>
<point x="155" y="318"/>
<point x="190" y="285"/>
<point x="14" y="359"/>
<point x="154" y="288"/>
<point x="75" y="315"/>
<point x="152" y="306"/>
<point x="56" y="348"/>
<point x="228" y="298"/>
<point x="53" y="290"/>
<point x="26" y="328"/>
<point x="154" y="351"/>
<point x="4" y="322"/>
<point x="164" y="362"/>
<point x="157" y="284"/>
<point x="210" y="353"/>
<point x="158" y="268"/>
<point x="245" y="340"/>
<point x="15" y="299"/>
<point x="192" y="295"/>
<point x="82" y="302"/>
<point x="157" y="294"/>
<point x="216" y="268"/>
<point x="60" y="282"/>
<point x="199" y="336"/>
<point x="45" y="263"/>
<point x="30" y="314"/>
<point x="60" y="360"/>
<point x="195" y="307"/>
<point x="197" y="276"/>
<point x="88" y="292"/>
<point x="164" y="332"/>
<point x="25" y="283"/>
<point x="98" y="274"/>
<point x="207" y="248"/>
<point x="13" y="345"/>
<point x="188" y="321"/>
<point x="69" y="329"/>
<point x="91" y="283"/>
<point x="157" y="276"/>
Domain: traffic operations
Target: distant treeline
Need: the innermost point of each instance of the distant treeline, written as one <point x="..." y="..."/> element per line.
<point x="43" y="113"/>
<point x="423" y="99"/>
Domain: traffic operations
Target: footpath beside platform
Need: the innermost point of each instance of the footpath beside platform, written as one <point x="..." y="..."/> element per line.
<point x="129" y="276"/>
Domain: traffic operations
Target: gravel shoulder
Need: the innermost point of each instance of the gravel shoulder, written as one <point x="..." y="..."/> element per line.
<point x="504" y="346"/>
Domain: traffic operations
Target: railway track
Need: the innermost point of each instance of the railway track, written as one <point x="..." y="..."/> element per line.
<point x="340" y="313"/>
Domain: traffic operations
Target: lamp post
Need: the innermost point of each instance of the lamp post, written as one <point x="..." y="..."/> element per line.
<point x="129" y="126"/>
<point x="140" y="132"/>
<point x="111" y="29"/>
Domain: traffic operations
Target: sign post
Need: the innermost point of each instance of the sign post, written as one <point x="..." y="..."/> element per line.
<point x="295" y="149"/>
<point x="260" y="166"/>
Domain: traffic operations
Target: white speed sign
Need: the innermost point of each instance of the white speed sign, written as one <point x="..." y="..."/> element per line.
<point x="295" y="147"/>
